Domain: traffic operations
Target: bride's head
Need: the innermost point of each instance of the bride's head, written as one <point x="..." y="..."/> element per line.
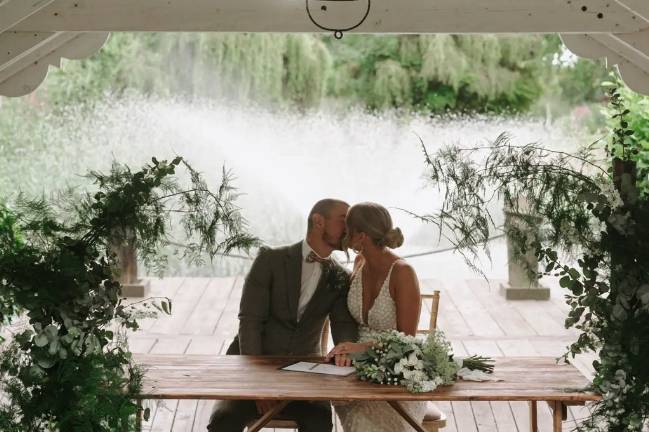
<point x="370" y="223"/>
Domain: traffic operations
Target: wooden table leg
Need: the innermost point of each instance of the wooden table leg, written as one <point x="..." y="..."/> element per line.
<point x="534" y="423"/>
<point x="398" y="408"/>
<point x="268" y="416"/>
<point x="559" y="413"/>
<point x="138" y="416"/>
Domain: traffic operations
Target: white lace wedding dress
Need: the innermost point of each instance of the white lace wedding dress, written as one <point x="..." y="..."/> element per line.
<point x="375" y="416"/>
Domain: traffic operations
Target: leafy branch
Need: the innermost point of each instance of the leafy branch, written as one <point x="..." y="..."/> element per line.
<point x="71" y="368"/>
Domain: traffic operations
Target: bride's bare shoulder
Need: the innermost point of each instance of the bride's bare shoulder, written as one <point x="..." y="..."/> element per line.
<point x="402" y="266"/>
<point x="403" y="273"/>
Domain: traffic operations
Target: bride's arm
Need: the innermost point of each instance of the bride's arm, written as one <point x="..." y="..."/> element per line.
<point x="404" y="288"/>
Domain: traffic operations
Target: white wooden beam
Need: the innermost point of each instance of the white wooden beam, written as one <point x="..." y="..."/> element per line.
<point x="632" y="63"/>
<point x="639" y="7"/>
<point x="14" y="11"/>
<point x="385" y="16"/>
<point x="24" y="70"/>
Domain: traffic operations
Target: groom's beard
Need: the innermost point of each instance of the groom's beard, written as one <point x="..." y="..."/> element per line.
<point x="336" y="244"/>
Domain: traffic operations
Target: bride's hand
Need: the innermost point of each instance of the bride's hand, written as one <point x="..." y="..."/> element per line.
<point x="341" y="350"/>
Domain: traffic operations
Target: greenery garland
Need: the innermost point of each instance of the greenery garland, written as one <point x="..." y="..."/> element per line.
<point x="70" y="369"/>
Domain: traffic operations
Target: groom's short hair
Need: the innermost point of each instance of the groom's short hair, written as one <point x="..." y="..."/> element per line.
<point x="323" y="207"/>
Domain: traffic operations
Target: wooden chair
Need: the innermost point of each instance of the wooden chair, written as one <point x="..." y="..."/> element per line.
<point x="434" y="420"/>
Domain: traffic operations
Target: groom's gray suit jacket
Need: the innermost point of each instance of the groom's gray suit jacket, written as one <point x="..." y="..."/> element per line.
<point x="268" y="323"/>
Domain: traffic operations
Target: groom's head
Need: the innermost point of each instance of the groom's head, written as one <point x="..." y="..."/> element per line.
<point x="327" y="222"/>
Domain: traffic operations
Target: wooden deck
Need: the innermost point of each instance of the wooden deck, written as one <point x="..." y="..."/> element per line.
<point x="474" y="316"/>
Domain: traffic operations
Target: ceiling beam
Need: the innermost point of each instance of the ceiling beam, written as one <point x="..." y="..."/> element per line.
<point x="13" y="12"/>
<point x="639" y="7"/>
<point x="385" y="16"/>
<point x="632" y="63"/>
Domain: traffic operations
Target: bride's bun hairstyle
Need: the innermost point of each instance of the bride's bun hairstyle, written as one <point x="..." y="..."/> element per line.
<point x="374" y="220"/>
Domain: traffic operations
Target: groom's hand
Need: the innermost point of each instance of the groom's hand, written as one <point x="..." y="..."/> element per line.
<point x="263" y="406"/>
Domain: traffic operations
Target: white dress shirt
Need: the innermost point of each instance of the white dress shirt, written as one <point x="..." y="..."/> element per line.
<point x="311" y="273"/>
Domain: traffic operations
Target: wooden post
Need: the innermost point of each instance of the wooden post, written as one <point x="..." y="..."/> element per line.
<point x="123" y="247"/>
<point x="520" y="286"/>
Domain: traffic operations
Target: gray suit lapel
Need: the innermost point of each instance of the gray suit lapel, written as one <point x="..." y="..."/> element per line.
<point x="294" y="277"/>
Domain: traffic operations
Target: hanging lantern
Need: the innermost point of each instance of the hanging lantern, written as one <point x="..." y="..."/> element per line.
<point x="338" y="16"/>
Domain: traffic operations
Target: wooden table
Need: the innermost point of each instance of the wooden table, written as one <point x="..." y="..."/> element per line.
<point x="530" y="379"/>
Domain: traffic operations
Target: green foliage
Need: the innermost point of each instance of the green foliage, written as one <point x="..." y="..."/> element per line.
<point x="562" y="203"/>
<point x="71" y="369"/>
<point x="636" y="120"/>
<point x="268" y="68"/>
<point x="442" y="72"/>
<point x="438" y="73"/>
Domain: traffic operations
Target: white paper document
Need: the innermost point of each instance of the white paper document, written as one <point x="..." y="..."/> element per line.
<point x="320" y="368"/>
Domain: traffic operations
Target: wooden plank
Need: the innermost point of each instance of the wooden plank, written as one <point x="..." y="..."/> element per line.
<point x="447" y="409"/>
<point x="171" y="345"/>
<point x="409" y="16"/>
<point x="504" y="416"/>
<point x="164" y="416"/>
<point x="205" y="345"/>
<point x="202" y="417"/>
<point x="228" y="323"/>
<point x="464" y="418"/>
<point x="184" y="416"/>
<point x="536" y="314"/>
<point x="204" y="318"/>
<point x="484" y="416"/>
<point x="475" y="314"/>
<point x="141" y="344"/>
<point x="166" y="287"/>
<point x="183" y="303"/>
<point x="503" y="312"/>
<point x="483" y="347"/>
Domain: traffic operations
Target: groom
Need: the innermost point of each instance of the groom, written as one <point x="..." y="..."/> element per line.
<point x="287" y="295"/>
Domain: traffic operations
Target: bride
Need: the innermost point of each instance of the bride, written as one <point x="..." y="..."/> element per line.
<point x="384" y="295"/>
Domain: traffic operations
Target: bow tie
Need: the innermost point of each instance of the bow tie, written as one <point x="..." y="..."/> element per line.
<point x="314" y="257"/>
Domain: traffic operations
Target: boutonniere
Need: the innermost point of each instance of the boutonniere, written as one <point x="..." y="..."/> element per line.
<point x="337" y="278"/>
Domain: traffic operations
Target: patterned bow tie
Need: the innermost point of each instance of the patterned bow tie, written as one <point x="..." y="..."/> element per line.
<point x="314" y="257"/>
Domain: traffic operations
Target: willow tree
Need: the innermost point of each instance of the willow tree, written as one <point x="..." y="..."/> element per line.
<point x="267" y="68"/>
<point x="440" y="72"/>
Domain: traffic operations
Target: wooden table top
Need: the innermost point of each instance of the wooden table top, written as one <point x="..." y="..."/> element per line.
<point x="252" y="377"/>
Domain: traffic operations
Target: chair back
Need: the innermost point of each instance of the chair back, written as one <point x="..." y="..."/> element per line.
<point x="434" y="309"/>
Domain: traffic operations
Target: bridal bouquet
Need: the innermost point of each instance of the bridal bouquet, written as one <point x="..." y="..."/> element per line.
<point x="419" y="365"/>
